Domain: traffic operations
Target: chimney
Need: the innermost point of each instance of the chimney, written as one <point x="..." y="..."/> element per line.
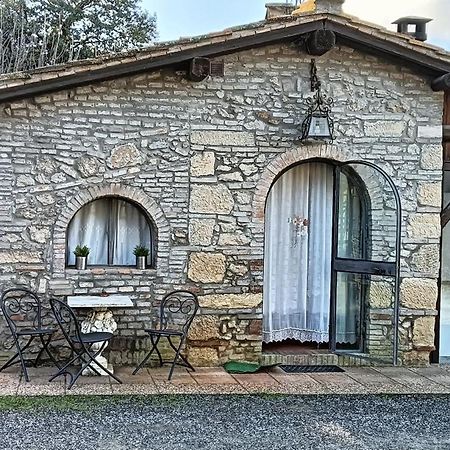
<point x="415" y="27"/>
<point x="329" y="6"/>
<point x="274" y="10"/>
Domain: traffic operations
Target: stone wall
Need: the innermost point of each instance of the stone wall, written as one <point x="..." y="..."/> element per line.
<point x="200" y="158"/>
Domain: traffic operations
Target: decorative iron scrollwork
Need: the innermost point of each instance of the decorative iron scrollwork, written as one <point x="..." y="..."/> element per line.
<point x="318" y="123"/>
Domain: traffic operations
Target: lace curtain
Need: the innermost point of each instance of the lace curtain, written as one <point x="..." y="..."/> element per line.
<point x="111" y="228"/>
<point x="297" y="268"/>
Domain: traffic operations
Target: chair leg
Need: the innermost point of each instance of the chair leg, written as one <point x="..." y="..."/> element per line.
<point x="22" y="360"/>
<point x="155" y="345"/>
<point x="88" y="363"/>
<point x="185" y="361"/>
<point x="63" y="370"/>
<point x="91" y="359"/>
<point x="147" y="357"/>
<point x="177" y="354"/>
<point x="45" y="348"/>
<point x="38" y="357"/>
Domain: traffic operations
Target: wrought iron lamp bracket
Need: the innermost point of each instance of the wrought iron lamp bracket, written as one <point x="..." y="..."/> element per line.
<point x="319" y="108"/>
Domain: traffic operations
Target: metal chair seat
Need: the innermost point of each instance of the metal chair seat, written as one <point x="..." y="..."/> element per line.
<point x="164" y="332"/>
<point x="92" y="338"/>
<point x="36" y="332"/>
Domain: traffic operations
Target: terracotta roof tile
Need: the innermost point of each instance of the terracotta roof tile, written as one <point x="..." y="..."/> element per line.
<point x="230" y="34"/>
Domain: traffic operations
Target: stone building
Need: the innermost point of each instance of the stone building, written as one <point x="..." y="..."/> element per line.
<point x="196" y="149"/>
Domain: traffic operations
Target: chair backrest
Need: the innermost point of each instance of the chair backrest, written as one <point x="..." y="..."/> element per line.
<point x="21" y="308"/>
<point x="66" y="319"/>
<point x="177" y="310"/>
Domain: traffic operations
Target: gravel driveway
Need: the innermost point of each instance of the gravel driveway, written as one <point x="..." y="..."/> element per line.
<point x="228" y="422"/>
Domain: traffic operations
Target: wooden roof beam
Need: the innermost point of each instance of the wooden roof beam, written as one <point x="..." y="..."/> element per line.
<point x="441" y="83"/>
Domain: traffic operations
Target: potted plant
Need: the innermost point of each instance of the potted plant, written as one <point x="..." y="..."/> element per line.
<point x="81" y="253"/>
<point x="141" y="252"/>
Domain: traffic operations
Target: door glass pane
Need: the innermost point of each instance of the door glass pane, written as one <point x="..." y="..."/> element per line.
<point x="364" y="315"/>
<point x="367" y="215"/>
<point x="351" y="214"/>
<point x="349" y="300"/>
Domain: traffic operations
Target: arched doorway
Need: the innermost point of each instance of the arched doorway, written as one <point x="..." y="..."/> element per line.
<point x="331" y="259"/>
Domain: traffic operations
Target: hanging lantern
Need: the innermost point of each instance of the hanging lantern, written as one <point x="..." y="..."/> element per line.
<point x="318" y="123"/>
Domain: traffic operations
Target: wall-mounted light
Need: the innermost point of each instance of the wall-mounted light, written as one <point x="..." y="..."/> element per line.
<point x="318" y="123"/>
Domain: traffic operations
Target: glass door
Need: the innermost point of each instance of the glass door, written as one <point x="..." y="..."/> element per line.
<point x="365" y="261"/>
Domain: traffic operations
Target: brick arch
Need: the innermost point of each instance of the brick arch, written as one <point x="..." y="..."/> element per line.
<point x="282" y="163"/>
<point x="133" y="194"/>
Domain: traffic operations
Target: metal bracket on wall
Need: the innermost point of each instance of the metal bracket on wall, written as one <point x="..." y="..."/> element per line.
<point x="201" y="68"/>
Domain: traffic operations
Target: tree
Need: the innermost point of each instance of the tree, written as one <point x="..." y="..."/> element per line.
<point x="36" y="33"/>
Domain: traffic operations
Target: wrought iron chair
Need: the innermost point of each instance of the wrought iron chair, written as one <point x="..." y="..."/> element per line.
<point x="22" y="310"/>
<point x="85" y="347"/>
<point x="176" y="313"/>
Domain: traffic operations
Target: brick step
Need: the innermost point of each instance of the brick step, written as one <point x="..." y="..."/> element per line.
<point x="300" y="360"/>
<point x="328" y="359"/>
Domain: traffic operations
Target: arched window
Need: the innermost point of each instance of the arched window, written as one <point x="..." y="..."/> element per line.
<point x="111" y="227"/>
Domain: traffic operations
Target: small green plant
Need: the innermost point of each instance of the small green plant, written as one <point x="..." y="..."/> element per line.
<point x="81" y="251"/>
<point x="141" y="250"/>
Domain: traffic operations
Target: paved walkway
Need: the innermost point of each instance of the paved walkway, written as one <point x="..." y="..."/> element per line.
<point x="380" y="380"/>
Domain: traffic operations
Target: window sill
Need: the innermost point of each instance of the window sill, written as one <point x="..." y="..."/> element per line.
<point x="99" y="270"/>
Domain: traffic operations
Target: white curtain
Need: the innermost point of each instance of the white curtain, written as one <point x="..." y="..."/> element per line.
<point x="297" y="261"/>
<point x="297" y="269"/>
<point x="90" y="227"/>
<point x="129" y="228"/>
<point x="111" y="228"/>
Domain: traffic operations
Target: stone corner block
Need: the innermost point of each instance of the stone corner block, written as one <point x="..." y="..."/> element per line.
<point x="429" y="194"/>
<point x="418" y="293"/>
<point x="424" y="226"/>
<point x="423" y="333"/>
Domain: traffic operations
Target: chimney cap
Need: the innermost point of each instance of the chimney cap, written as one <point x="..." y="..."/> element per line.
<point x="420" y="23"/>
<point x="329" y="6"/>
<point x="278" y="9"/>
<point x="279" y="4"/>
<point x="412" y="20"/>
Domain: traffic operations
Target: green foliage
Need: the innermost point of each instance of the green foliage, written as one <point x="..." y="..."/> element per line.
<point x="81" y="251"/>
<point x="87" y="403"/>
<point x="36" y="33"/>
<point x="140" y="250"/>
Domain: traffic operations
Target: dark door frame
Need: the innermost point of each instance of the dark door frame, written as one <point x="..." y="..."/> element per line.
<point x="435" y="355"/>
<point x="366" y="266"/>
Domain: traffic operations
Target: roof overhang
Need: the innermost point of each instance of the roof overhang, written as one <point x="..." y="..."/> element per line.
<point x="416" y="55"/>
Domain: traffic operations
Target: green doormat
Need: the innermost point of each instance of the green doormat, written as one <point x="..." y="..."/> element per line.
<point x="241" y="367"/>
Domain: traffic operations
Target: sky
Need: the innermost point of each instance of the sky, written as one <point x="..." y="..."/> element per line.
<point x="178" y="18"/>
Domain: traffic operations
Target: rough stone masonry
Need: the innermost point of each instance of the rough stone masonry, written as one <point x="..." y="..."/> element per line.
<point x="200" y="158"/>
